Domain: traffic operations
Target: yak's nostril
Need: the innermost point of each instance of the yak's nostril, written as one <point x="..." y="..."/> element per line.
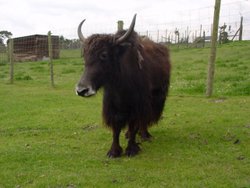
<point x="85" y="92"/>
<point x="82" y="92"/>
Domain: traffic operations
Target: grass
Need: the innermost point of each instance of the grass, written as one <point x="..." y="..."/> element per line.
<point x="51" y="138"/>
<point x="231" y="71"/>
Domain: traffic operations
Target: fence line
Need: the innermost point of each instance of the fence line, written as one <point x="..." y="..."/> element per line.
<point x="49" y="46"/>
<point x="195" y="25"/>
<point x="34" y="48"/>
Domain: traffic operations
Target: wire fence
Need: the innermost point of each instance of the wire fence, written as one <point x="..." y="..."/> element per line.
<point x="193" y="30"/>
<point x="35" y="47"/>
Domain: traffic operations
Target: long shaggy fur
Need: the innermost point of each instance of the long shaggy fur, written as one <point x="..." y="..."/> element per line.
<point x="135" y="76"/>
<point x="137" y="90"/>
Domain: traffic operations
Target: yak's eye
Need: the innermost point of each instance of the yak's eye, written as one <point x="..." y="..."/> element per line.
<point x="104" y="55"/>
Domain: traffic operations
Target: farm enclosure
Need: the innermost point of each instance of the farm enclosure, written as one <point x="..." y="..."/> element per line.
<point x="52" y="138"/>
<point x="34" y="48"/>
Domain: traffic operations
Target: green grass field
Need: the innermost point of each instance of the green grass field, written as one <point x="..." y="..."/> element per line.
<point x="49" y="137"/>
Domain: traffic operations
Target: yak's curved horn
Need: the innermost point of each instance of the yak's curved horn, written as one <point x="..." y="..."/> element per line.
<point x="79" y="31"/>
<point x="128" y="33"/>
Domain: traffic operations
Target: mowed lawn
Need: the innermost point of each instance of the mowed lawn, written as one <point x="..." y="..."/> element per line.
<point x="49" y="137"/>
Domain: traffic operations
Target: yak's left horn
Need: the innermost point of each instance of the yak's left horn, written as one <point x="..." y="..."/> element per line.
<point x="128" y="33"/>
<point x="79" y="31"/>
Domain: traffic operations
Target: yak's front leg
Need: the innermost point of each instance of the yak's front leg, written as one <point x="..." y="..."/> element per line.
<point x="116" y="149"/>
<point x="133" y="147"/>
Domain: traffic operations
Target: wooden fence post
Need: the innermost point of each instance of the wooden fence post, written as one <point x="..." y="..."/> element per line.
<point x="50" y="59"/>
<point x="11" y="59"/>
<point x="200" y="30"/>
<point x="241" y="28"/>
<point x="204" y="39"/>
<point x="211" y="63"/>
<point x="158" y="36"/>
<point x="187" y="36"/>
<point x="120" y="25"/>
<point x="166" y="36"/>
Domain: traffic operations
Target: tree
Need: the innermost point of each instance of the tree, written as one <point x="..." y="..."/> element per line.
<point x="69" y="43"/>
<point x="4" y="35"/>
<point x="177" y="34"/>
<point x="223" y="37"/>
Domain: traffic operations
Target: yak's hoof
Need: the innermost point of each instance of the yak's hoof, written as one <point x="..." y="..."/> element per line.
<point x="146" y="136"/>
<point x="115" y="152"/>
<point x="132" y="150"/>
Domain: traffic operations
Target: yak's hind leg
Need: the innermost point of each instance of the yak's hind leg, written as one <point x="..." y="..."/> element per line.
<point x="145" y="135"/>
<point x="133" y="147"/>
<point x="143" y="132"/>
<point x="116" y="149"/>
<point x="157" y="105"/>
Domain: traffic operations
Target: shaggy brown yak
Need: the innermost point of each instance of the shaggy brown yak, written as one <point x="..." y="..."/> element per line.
<point x="135" y="76"/>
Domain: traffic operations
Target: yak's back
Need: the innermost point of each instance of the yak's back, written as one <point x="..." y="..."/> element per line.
<point x="157" y="62"/>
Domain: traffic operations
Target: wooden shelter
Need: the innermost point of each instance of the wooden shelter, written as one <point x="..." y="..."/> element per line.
<point x="34" y="48"/>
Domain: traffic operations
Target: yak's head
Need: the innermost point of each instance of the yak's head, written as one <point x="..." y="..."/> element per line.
<point x="100" y="55"/>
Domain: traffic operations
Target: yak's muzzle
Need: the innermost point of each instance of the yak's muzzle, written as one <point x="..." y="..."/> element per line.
<point x="85" y="91"/>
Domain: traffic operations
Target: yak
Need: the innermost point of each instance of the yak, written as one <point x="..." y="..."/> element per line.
<point x="134" y="74"/>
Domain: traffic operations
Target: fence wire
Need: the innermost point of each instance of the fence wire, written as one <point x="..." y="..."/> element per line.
<point x="193" y="30"/>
